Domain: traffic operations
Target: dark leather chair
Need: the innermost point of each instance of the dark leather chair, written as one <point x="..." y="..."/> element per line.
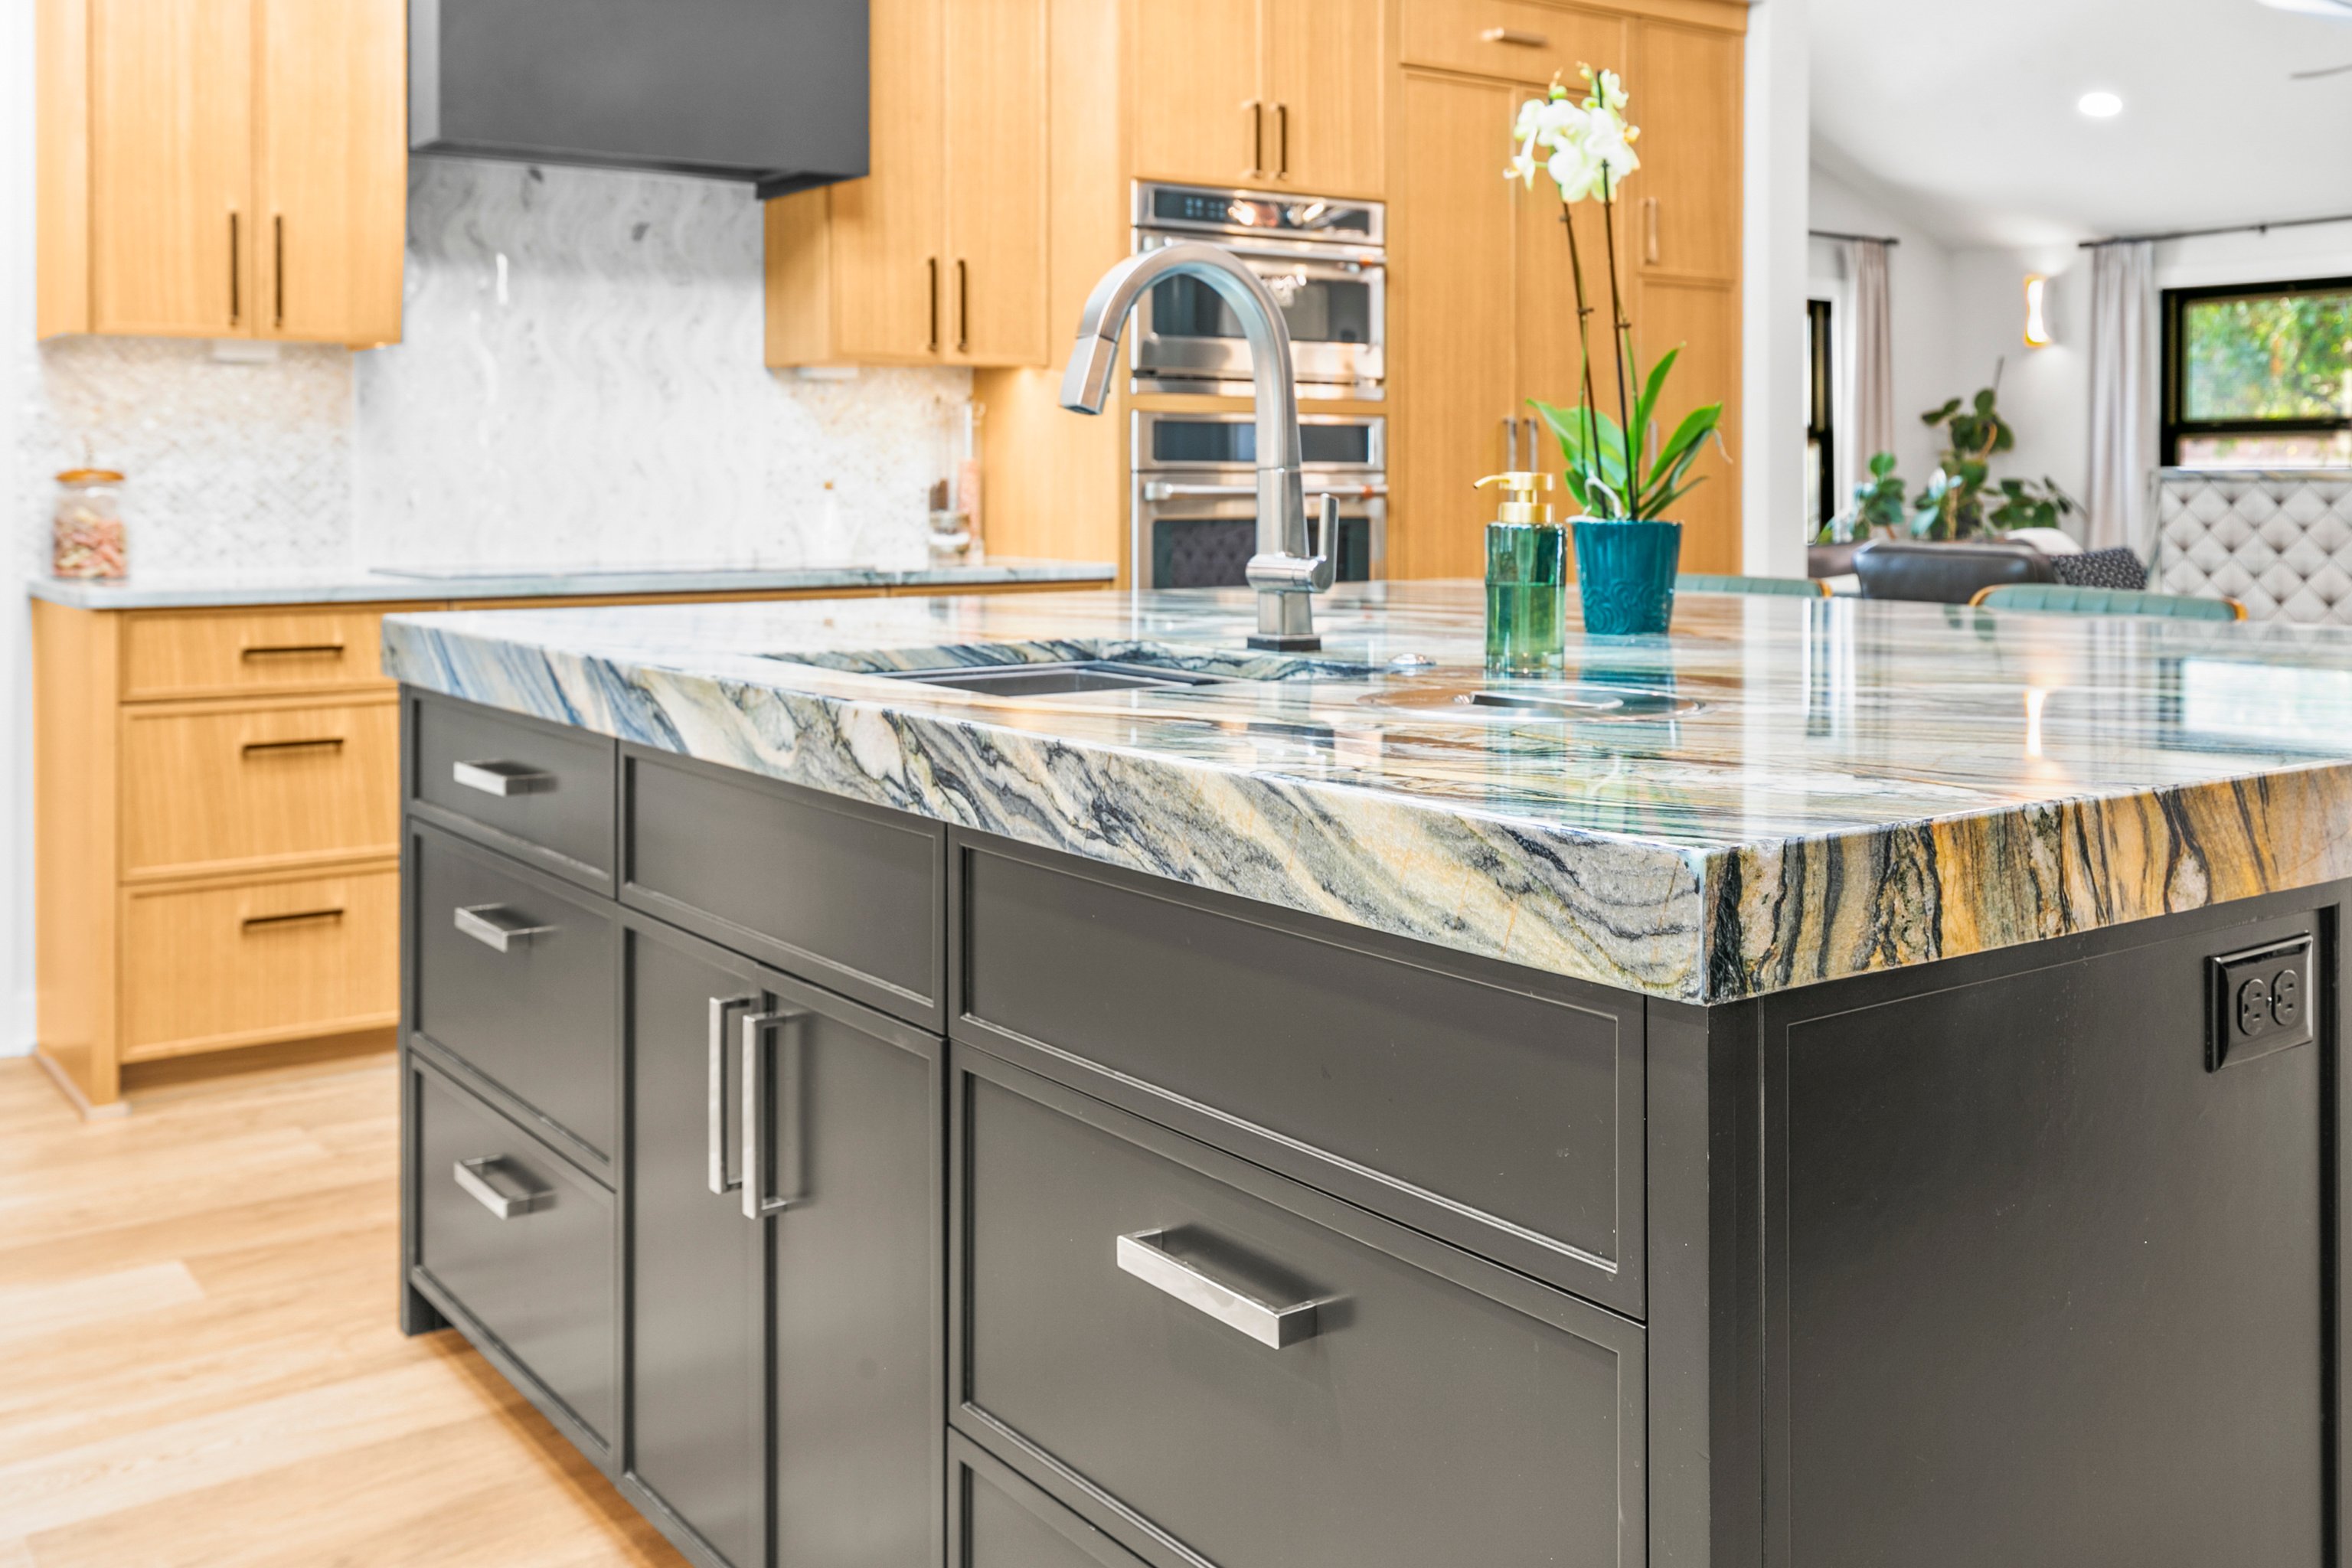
<point x="1946" y="573"/>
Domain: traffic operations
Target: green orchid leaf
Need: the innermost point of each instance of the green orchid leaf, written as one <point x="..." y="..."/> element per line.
<point x="1645" y="406"/>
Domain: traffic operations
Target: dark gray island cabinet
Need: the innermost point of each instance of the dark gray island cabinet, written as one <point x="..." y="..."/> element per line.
<point x="859" y="1191"/>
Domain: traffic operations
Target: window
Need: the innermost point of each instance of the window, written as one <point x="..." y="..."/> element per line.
<point x="2259" y="377"/>
<point x="1821" y="420"/>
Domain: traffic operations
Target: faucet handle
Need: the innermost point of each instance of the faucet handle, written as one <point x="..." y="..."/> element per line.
<point x="1302" y="573"/>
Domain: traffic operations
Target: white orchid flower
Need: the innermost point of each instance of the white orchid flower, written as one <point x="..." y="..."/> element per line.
<point x="1524" y="165"/>
<point x="1608" y="141"/>
<point x="1575" y="171"/>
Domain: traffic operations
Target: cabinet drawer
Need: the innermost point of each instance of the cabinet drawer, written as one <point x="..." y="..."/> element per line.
<point x="997" y="1519"/>
<point x="538" y="790"/>
<point x="1493" y="1106"/>
<point x="210" y="968"/>
<point x="1426" y="1406"/>
<point x="514" y="975"/>
<point x="850" y="896"/>
<point x="201" y="791"/>
<point x="541" y="1279"/>
<point x="254" y="651"/>
<point x="1513" y="38"/>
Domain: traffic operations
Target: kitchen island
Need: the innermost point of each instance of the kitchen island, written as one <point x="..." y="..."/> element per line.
<point x="1037" y="1082"/>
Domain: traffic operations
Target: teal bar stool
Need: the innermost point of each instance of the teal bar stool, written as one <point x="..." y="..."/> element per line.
<point x="2057" y="598"/>
<point x="1787" y="587"/>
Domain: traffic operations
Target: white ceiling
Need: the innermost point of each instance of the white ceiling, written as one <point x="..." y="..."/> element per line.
<point x="1962" y="115"/>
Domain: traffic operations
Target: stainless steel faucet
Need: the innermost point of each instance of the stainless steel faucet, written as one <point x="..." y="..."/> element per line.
<point x="1283" y="574"/>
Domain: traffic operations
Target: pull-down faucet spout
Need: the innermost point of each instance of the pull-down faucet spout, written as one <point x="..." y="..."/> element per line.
<point x="1283" y="571"/>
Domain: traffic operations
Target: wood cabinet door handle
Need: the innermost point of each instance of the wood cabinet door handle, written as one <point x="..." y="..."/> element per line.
<point x="277" y="269"/>
<point x="933" y="264"/>
<point x="235" y="273"/>
<point x="1257" y="137"/>
<point x="252" y="748"/>
<point x="292" y="650"/>
<point x="963" y="307"/>
<point x="1517" y="36"/>
<point x="1282" y="141"/>
<point x="252" y="924"/>
<point x="1650" y="252"/>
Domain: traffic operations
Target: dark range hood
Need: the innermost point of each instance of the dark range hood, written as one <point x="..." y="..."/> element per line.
<point x="768" y="90"/>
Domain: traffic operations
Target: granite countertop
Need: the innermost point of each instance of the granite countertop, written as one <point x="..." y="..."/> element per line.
<point x="1792" y="791"/>
<point x="197" y="590"/>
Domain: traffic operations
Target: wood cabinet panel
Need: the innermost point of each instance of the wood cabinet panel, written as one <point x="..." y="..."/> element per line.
<point x="1511" y="38"/>
<point x="1703" y="320"/>
<point x="1452" y="264"/>
<point x="889" y="260"/>
<point x="1199" y="99"/>
<point x="256" y="652"/>
<point x="993" y="283"/>
<point x="172" y="215"/>
<point x="1686" y="201"/>
<point x="247" y="964"/>
<point x="331" y="169"/>
<point x="1326" y="74"/>
<point x="205" y="791"/>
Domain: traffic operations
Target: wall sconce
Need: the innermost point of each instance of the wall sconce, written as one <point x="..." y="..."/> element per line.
<point x="2037" y="312"/>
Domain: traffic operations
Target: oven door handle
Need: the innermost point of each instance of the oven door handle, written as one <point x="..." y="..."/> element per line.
<point x="1163" y="489"/>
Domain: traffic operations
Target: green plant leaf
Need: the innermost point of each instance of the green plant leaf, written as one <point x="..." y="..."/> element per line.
<point x="1940" y="415"/>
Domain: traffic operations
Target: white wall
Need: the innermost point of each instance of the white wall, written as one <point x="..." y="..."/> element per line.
<point x="2282" y="256"/>
<point x="2045" y="393"/>
<point x="1773" y="342"/>
<point x="15" y="709"/>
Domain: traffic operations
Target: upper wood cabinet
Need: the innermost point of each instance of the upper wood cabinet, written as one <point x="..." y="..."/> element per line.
<point x="1279" y="94"/>
<point x="222" y="168"/>
<point x="936" y="256"/>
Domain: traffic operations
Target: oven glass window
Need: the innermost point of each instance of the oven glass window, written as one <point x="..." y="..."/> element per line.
<point x="1213" y="442"/>
<point x="1318" y="309"/>
<point x="1214" y="553"/>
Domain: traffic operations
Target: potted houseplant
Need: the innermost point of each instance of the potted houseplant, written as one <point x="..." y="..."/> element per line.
<point x="1627" y="550"/>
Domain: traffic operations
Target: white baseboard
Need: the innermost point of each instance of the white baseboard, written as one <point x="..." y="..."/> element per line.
<point x="21" y="1029"/>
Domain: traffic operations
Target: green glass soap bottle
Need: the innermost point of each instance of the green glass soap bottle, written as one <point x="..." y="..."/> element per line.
<point x="1527" y="579"/>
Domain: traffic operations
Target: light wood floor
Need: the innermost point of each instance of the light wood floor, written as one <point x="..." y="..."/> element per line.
<point x="199" y="1363"/>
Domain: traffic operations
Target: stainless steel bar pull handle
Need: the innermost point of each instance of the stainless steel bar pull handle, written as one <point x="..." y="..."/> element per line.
<point x="721" y="1009"/>
<point x="497" y="926"/>
<point x="1140" y="1253"/>
<point x="475" y="1177"/>
<point x="765" y="1162"/>
<point x="502" y="778"/>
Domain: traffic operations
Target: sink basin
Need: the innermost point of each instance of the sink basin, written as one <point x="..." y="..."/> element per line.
<point x="1054" y="679"/>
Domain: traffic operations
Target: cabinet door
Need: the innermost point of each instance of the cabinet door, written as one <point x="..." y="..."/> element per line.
<point x="1451" y="267"/>
<point x="172" y="215"/>
<point x="1686" y="199"/>
<point x="889" y="270"/>
<point x="994" y="303"/>
<point x="1324" y="74"/>
<point x="855" y="1123"/>
<point x="1550" y="342"/>
<point x="1200" y="103"/>
<point x="697" y="1360"/>
<point x="1703" y="320"/>
<point x="330" y="167"/>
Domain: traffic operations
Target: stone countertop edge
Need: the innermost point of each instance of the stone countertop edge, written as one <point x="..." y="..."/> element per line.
<point x="1705" y="925"/>
<point x="225" y="590"/>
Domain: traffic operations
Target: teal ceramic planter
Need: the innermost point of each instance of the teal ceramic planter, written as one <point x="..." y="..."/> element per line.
<point x="1625" y="575"/>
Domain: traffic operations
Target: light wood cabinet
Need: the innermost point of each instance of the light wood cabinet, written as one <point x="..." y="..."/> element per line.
<point x="222" y="168"/>
<point x="1478" y="260"/>
<point x="1280" y="94"/>
<point x="936" y="256"/>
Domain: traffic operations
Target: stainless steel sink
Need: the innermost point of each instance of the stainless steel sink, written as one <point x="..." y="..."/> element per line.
<point x="1054" y="680"/>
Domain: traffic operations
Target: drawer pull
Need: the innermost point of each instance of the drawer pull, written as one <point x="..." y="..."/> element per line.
<point x="252" y="923"/>
<point x="474" y="1176"/>
<point x="252" y="748"/>
<point x="294" y="650"/>
<point x="502" y="778"/>
<point x="1142" y="1254"/>
<point x="1517" y="36"/>
<point x="497" y="926"/>
<point x="722" y="1008"/>
<point x="761" y="1144"/>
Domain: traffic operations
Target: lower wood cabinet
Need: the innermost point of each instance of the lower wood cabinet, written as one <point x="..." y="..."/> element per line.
<point x="784" y="1368"/>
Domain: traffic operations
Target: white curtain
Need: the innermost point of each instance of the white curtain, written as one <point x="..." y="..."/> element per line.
<point x="2124" y="375"/>
<point x="1869" y="361"/>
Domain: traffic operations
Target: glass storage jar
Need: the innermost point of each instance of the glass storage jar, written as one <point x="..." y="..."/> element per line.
<point x="87" y="537"/>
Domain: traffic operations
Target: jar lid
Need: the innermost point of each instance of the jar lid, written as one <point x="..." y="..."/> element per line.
<point x="89" y="477"/>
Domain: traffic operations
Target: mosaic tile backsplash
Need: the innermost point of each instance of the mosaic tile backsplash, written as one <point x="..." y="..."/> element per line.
<point x="579" y="383"/>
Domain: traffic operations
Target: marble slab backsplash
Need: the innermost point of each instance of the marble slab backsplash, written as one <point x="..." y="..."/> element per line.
<point x="580" y="383"/>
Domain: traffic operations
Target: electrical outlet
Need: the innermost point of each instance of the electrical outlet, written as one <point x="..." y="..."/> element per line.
<point x="2261" y="1002"/>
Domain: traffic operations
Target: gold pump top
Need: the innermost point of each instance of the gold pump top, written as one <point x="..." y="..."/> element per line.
<point x="1522" y="496"/>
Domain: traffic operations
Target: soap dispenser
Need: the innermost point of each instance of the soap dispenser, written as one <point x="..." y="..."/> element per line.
<point x="1527" y="579"/>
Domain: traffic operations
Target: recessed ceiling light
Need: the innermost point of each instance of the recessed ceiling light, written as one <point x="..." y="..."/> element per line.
<point x="2101" y="105"/>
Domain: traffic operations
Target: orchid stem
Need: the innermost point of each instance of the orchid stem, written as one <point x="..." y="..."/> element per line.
<point x="1583" y="333"/>
<point x="1624" y="331"/>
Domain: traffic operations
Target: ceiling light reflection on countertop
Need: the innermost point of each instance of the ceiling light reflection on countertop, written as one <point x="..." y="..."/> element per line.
<point x="2101" y="105"/>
